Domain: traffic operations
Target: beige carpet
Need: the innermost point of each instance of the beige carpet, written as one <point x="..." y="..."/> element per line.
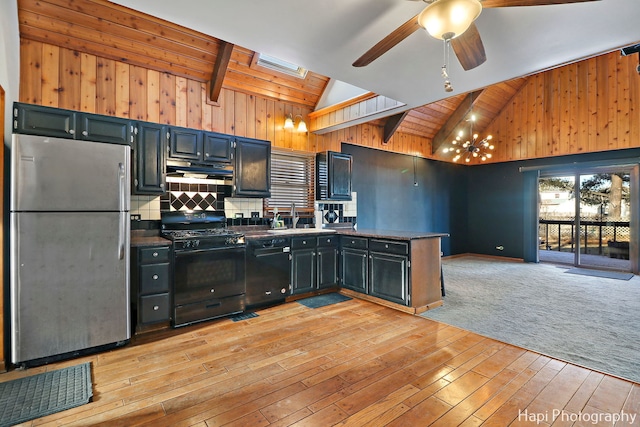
<point x="590" y="321"/>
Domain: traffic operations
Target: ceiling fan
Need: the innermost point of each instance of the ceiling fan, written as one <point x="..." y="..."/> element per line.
<point x="453" y="22"/>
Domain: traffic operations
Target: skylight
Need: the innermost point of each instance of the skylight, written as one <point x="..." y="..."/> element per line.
<point x="281" y="66"/>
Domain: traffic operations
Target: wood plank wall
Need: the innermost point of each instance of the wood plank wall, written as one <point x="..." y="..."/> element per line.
<point x="588" y="106"/>
<point x="65" y="78"/>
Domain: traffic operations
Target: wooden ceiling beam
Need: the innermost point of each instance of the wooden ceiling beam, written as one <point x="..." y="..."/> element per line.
<point x="454" y="120"/>
<point x="391" y="125"/>
<point x="219" y="70"/>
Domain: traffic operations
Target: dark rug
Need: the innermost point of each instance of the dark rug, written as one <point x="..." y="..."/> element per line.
<point x="323" y="300"/>
<point x="44" y="394"/>
<point x="243" y="316"/>
<point x="600" y="273"/>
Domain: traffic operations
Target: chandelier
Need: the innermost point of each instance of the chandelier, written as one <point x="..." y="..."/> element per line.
<point x="473" y="147"/>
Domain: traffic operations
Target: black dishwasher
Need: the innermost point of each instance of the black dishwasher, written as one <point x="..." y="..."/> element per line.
<point x="268" y="271"/>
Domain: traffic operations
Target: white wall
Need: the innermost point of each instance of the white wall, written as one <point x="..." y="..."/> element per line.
<point x="9" y="58"/>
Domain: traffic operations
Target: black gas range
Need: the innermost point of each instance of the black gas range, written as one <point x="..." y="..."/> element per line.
<point x="199" y="230"/>
<point x="209" y="266"/>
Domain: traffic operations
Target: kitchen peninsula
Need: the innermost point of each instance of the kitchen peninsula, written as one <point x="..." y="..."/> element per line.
<point x="398" y="269"/>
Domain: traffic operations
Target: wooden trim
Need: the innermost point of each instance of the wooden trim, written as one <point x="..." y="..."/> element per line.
<point x="343" y="104"/>
<point x="219" y="70"/>
<point x="380" y="301"/>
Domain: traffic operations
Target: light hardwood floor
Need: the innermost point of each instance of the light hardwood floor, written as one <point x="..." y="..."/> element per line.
<point x="354" y="363"/>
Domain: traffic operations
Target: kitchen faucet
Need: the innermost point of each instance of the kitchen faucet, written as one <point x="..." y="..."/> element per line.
<point x="294" y="218"/>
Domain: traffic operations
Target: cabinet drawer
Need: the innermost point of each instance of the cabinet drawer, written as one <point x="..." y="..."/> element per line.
<point x="209" y="309"/>
<point x="154" y="308"/>
<point x="389" y="246"/>
<point x="154" y="254"/>
<point x="154" y="278"/>
<point x="328" y="241"/>
<point x="354" y="242"/>
<point x="303" y="242"/>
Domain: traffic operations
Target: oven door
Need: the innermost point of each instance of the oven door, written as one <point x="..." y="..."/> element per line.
<point x="206" y="274"/>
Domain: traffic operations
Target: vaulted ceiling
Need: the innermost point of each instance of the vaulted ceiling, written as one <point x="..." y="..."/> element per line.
<point x="118" y="32"/>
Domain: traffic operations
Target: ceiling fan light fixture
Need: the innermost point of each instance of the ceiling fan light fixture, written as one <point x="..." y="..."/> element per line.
<point x="447" y="19"/>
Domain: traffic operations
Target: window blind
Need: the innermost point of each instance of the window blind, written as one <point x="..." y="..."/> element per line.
<point x="292" y="181"/>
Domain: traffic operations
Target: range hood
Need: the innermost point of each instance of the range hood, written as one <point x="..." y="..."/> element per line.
<point x="195" y="170"/>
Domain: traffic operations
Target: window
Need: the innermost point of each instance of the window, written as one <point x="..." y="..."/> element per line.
<point x="292" y="178"/>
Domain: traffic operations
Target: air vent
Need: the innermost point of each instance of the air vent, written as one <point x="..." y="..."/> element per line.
<point x="281" y="66"/>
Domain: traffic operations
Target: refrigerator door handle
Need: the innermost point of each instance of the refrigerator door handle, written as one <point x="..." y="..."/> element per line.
<point x="122" y="238"/>
<point x="121" y="186"/>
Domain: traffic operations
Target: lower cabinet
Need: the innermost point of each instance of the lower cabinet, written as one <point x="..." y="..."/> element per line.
<point x="150" y="285"/>
<point x="382" y="268"/>
<point x="314" y="263"/>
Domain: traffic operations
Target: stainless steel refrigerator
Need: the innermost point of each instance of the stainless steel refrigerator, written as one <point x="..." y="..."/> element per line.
<point x="69" y="253"/>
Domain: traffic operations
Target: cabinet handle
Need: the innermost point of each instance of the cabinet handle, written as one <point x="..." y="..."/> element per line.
<point x="206" y="154"/>
<point x="156" y="308"/>
<point x="155" y="254"/>
<point x="72" y="131"/>
<point x="154" y="277"/>
<point x="198" y="153"/>
<point x="212" y="290"/>
<point x="85" y="133"/>
<point x="268" y="293"/>
<point x="386" y="246"/>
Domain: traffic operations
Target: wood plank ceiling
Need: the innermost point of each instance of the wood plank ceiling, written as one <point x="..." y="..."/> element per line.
<point x="115" y="32"/>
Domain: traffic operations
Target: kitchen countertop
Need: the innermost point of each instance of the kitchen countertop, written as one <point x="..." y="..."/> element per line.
<point x="147" y="238"/>
<point x="391" y="234"/>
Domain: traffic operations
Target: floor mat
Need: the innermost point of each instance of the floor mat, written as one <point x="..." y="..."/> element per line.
<point x="44" y="394"/>
<point x="323" y="300"/>
<point x="600" y="273"/>
<point x="243" y="316"/>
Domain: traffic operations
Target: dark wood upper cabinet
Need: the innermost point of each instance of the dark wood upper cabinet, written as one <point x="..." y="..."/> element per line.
<point x="333" y="176"/>
<point x="149" y="159"/>
<point x="217" y="147"/>
<point x="185" y="143"/>
<point x="94" y="127"/>
<point x="252" y="175"/>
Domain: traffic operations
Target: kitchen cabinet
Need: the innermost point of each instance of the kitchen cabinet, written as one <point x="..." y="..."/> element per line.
<point x="355" y="264"/>
<point x="252" y="175"/>
<point x="388" y="270"/>
<point x="314" y="263"/>
<point x="48" y="121"/>
<point x="200" y="146"/>
<point x="185" y="144"/>
<point x="149" y="158"/>
<point x="327" y="261"/>
<point x="379" y="267"/>
<point x="150" y="285"/>
<point x="303" y="264"/>
<point x="333" y="176"/>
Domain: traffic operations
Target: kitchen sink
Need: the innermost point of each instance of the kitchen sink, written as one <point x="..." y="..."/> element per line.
<point x="300" y="230"/>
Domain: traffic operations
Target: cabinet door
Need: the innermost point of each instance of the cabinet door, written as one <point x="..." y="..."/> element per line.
<point x="252" y="175"/>
<point x="303" y="270"/>
<point x="185" y="144"/>
<point x="150" y="159"/>
<point x="327" y="267"/>
<point x="354" y="269"/>
<point x="339" y="176"/>
<point x="388" y="277"/>
<point x="46" y="121"/>
<point x="94" y="127"/>
<point x="217" y="147"/>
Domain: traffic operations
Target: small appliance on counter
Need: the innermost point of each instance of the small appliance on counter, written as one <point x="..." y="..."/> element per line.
<point x="209" y="270"/>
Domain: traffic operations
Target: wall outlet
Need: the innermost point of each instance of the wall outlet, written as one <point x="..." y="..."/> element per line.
<point x="255" y="214"/>
<point x="136" y="217"/>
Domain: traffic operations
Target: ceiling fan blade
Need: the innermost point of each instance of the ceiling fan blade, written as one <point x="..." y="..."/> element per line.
<point x="469" y="49"/>
<point x="509" y="3"/>
<point x="395" y="37"/>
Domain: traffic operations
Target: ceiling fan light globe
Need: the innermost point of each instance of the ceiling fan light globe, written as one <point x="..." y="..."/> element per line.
<point x="447" y="19"/>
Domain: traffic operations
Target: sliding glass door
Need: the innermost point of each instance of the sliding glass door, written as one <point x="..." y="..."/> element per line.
<point x="584" y="218"/>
